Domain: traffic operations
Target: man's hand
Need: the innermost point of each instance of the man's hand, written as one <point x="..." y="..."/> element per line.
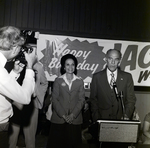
<point x="125" y="117"/>
<point x="18" y="67"/>
<point x="86" y="107"/>
<point x="31" y="59"/>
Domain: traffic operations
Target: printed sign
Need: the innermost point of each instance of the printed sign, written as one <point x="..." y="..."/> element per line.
<point x="90" y="54"/>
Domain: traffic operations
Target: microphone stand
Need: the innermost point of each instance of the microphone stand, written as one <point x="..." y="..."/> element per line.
<point x="122" y="104"/>
<point x="116" y="90"/>
<point x="119" y="97"/>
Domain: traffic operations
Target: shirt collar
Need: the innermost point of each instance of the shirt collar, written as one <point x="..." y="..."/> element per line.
<point x="3" y="60"/>
<point x="65" y="77"/>
<point x="109" y="72"/>
<point x="74" y="77"/>
<point x="114" y="72"/>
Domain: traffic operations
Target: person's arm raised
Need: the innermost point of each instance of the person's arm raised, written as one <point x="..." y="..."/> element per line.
<point x="31" y="59"/>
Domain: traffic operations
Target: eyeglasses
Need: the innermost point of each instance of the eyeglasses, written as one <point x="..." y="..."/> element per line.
<point x="113" y="60"/>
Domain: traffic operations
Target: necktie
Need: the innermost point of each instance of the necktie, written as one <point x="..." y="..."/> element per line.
<point x="112" y="80"/>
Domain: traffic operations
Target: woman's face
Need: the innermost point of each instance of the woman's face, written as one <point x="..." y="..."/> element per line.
<point x="69" y="66"/>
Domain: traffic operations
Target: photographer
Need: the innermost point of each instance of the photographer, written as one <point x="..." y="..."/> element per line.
<point x="27" y="117"/>
<point x="10" y="46"/>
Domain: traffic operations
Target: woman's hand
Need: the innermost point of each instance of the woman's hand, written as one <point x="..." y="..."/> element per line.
<point x="69" y="118"/>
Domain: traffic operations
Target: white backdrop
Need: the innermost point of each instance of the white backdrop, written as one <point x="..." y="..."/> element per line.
<point x="90" y="54"/>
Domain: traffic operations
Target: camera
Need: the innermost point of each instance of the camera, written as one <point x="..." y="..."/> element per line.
<point x="26" y="48"/>
<point x="21" y="56"/>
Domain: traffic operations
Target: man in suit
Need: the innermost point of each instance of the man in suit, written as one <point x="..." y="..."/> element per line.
<point x="104" y="103"/>
<point x="29" y="113"/>
<point x="106" y="85"/>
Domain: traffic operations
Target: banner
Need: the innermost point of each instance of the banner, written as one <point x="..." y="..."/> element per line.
<point x="90" y="54"/>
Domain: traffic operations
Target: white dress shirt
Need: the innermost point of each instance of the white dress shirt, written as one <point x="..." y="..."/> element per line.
<point x="65" y="79"/>
<point x="9" y="88"/>
<point x="14" y="75"/>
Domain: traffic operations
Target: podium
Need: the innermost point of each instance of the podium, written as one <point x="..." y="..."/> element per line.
<point x="118" y="131"/>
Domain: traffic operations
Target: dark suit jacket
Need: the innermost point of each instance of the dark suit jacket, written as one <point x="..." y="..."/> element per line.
<point x="104" y="104"/>
<point x="65" y="101"/>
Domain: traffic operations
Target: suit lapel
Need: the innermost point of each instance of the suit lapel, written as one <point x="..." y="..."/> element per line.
<point x="105" y="80"/>
<point x="119" y="80"/>
<point x="106" y="85"/>
<point x="64" y="85"/>
<point x="74" y="85"/>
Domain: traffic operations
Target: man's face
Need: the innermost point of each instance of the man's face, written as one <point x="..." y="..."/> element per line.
<point x="113" y="60"/>
<point x="14" y="52"/>
<point x="33" y="46"/>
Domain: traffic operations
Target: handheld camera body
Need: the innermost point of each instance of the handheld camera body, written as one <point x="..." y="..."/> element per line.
<point x="21" y="56"/>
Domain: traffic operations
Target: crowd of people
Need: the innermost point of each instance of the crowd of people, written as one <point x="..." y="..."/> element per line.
<point x="23" y="89"/>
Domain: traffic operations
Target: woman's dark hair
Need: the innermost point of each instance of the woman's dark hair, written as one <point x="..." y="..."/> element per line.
<point x="63" y="60"/>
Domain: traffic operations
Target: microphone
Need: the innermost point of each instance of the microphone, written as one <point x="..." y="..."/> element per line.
<point x="121" y="94"/>
<point x="122" y="103"/>
<point x="115" y="90"/>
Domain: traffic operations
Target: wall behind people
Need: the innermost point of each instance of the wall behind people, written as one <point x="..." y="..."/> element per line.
<point x="89" y="18"/>
<point x="123" y="20"/>
<point x="142" y="104"/>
